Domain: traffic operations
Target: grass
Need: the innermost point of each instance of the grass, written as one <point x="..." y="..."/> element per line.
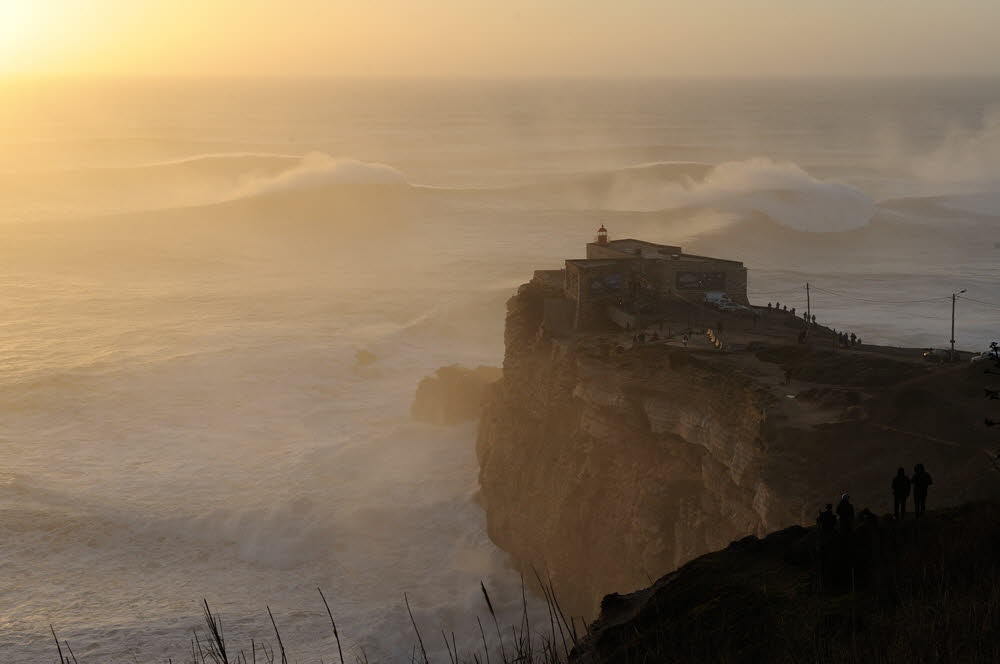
<point x="918" y="592"/>
<point x="520" y="645"/>
<point x="839" y="367"/>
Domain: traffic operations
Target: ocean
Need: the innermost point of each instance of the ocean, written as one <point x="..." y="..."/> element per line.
<point x="188" y="270"/>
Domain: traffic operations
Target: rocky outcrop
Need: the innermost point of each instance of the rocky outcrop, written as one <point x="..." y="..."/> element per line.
<point x="911" y="591"/>
<point x="610" y="466"/>
<point x="453" y="394"/>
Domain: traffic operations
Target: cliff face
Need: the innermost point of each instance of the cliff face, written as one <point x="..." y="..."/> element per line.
<point x="609" y="466"/>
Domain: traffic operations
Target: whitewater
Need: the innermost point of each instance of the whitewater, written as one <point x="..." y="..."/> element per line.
<point x="189" y="269"/>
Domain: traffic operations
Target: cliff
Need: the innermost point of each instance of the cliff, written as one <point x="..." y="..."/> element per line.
<point x="610" y="463"/>
<point x="895" y="591"/>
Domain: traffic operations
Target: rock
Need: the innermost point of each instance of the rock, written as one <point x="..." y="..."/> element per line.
<point x="453" y="394"/>
<point x="911" y="591"/>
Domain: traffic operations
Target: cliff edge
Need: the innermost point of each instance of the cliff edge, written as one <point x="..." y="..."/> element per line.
<point x="609" y="463"/>
<point x="893" y="591"/>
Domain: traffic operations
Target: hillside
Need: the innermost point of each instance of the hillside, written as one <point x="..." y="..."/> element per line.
<point x="911" y="591"/>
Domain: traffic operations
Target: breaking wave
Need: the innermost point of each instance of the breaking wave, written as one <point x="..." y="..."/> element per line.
<point x="198" y="180"/>
<point x="783" y="191"/>
<point x="317" y="170"/>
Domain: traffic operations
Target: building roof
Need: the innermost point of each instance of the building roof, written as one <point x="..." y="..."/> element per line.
<point x="632" y="248"/>
<point x="595" y="262"/>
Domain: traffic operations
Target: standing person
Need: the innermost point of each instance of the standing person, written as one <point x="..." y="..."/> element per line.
<point x="921" y="481"/>
<point x="900" y="492"/>
<point x="827" y="521"/>
<point x="845" y="510"/>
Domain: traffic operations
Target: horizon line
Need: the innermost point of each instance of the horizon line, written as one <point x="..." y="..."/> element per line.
<point x="500" y="78"/>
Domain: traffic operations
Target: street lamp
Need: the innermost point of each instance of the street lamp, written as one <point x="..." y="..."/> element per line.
<point x="954" y="296"/>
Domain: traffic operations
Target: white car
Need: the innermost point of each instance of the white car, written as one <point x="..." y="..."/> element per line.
<point x="715" y="297"/>
<point x="985" y="356"/>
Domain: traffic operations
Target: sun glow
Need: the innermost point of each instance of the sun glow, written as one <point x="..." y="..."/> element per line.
<point x="455" y="38"/>
<point x="19" y="25"/>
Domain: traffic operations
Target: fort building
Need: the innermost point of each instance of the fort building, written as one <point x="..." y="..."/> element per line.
<point x="621" y="281"/>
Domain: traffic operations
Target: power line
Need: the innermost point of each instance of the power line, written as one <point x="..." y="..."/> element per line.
<point x="871" y="301"/>
<point x="988" y="304"/>
<point x="778" y="292"/>
<point x="874" y="301"/>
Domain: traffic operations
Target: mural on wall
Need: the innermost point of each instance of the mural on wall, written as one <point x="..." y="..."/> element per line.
<point x="701" y="280"/>
<point x="607" y="284"/>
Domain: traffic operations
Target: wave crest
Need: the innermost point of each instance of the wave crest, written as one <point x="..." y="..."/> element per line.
<point x="317" y="170"/>
<point x="783" y="191"/>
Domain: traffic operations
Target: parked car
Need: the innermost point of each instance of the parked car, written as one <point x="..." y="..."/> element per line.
<point x="985" y="356"/>
<point x="718" y="298"/>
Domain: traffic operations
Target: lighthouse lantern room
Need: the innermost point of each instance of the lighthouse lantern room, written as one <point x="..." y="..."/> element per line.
<point x="602" y="235"/>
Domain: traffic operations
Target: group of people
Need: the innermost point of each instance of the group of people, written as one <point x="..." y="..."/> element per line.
<point x="901" y="486"/>
<point x="847" y="340"/>
<point x="777" y="306"/>
<point x="830" y="520"/>
<point x="780" y="307"/>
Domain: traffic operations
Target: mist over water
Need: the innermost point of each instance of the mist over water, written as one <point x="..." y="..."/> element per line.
<point x="188" y="270"/>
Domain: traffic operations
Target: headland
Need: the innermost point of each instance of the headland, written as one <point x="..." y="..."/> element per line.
<point x="649" y="413"/>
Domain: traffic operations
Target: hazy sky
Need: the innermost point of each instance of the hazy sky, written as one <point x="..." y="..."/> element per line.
<point x="500" y="37"/>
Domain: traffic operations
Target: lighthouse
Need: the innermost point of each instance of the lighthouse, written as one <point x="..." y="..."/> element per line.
<point x="602" y="235"/>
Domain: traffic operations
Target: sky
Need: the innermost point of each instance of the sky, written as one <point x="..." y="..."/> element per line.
<point x="499" y="38"/>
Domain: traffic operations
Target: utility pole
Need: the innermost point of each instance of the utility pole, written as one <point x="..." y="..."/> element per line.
<point x="954" y="296"/>
<point x="809" y="305"/>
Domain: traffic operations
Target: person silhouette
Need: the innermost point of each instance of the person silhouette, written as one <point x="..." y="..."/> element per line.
<point x="900" y="492"/>
<point x="921" y="482"/>
<point x="827" y="520"/>
<point x="845" y="510"/>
